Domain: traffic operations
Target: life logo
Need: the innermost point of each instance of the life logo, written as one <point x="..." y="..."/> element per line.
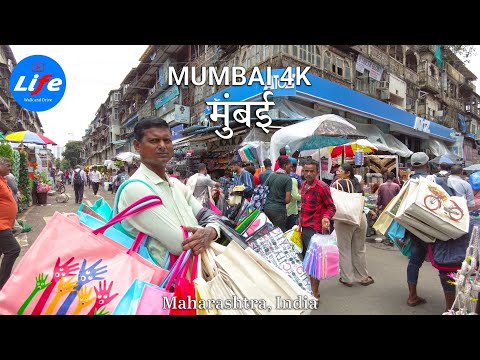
<point x="38" y="83"/>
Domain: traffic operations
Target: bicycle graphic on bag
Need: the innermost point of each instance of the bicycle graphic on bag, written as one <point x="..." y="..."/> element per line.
<point x="437" y="199"/>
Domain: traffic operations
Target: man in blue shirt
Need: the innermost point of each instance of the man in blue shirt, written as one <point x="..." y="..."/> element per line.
<point x="242" y="177"/>
<point x="268" y="170"/>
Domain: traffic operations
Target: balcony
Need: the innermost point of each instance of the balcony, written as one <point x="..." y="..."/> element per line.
<point x="362" y="49"/>
<point x="454" y="74"/>
<point x="454" y="103"/>
<point x="397" y="68"/>
<point x="378" y="56"/>
<point x="428" y="83"/>
<point x="426" y="48"/>
<point x="411" y="76"/>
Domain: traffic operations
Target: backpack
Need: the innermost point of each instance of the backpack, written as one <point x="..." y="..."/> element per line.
<point x="77" y="178"/>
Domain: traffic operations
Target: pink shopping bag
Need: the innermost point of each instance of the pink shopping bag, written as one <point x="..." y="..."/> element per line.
<point x="158" y="300"/>
<point x="72" y="270"/>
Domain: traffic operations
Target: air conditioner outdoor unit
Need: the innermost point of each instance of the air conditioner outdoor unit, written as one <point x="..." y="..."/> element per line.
<point x="385" y="95"/>
<point x="384" y="85"/>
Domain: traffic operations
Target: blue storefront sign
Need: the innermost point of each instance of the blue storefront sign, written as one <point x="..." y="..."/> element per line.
<point x="166" y="96"/>
<point x="336" y="96"/>
<point x="177" y="131"/>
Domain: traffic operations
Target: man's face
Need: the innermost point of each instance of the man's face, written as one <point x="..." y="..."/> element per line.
<point x="156" y="146"/>
<point x="288" y="168"/>
<point x="5" y="168"/>
<point x="310" y="172"/>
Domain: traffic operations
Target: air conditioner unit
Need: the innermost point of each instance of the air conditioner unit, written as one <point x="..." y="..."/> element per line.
<point x="384" y="85"/>
<point x="409" y="107"/>
<point x="385" y="95"/>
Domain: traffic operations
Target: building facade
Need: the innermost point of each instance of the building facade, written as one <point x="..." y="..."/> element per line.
<point x="13" y="117"/>
<point x="421" y="94"/>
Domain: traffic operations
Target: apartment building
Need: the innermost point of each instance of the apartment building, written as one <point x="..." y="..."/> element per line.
<point x="422" y="94"/>
<point x="13" y="117"/>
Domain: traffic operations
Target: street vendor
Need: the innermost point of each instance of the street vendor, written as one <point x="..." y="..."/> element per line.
<point x="153" y="141"/>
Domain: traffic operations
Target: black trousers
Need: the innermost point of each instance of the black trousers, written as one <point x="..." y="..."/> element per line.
<point x="95" y="187"/>
<point x="10" y="248"/>
<point x="78" y="189"/>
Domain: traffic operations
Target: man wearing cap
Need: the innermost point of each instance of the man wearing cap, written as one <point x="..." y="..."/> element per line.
<point x="419" y="248"/>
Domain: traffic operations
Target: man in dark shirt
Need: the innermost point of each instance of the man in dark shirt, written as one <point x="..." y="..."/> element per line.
<point x="317" y="210"/>
<point x="419" y="248"/>
<point x="268" y="170"/>
<point x="279" y="194"/>
<point x="387" y="191"/>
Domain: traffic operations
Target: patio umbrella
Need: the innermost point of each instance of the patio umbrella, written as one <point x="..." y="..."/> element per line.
<point x="127" y="156"/>
<point x="28" y="137"/>
<point x="314" y="133"/>
<point x="447" y="158"/>
<point x="349" y="149"/>
<point x="2" y="137"/>
<point x="474" y="167"/>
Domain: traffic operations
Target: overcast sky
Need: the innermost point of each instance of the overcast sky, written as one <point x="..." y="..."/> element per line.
<point x="91" y="72"/>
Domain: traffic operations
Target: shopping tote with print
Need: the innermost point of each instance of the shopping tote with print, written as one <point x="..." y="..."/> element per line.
<point x="72" y="270"/>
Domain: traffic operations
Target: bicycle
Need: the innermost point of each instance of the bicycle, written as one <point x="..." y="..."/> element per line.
<point x="60" y="186"/>
<point x="437" y="199"/>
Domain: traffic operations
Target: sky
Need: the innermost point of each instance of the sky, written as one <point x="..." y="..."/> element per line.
<point x="91" y="72"/>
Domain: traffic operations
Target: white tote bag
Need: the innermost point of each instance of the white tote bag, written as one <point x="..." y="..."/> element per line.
<point x="349" y="205"/>
<point x="422" y="230"/>
<point x="434" y="207"/>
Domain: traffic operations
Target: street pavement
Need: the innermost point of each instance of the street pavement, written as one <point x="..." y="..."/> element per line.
<point x="387" y="296"/>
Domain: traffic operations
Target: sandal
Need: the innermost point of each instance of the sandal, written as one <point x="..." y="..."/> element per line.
<point x="345" y="283"/>
<point x="367" y="282"/>
<point x="419" y="301"/>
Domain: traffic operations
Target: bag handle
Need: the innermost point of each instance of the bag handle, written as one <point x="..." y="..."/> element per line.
<point x="138" y="206"/>
<point x="120" y="189"/>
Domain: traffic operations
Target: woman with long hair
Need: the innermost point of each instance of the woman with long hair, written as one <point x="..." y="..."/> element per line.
<point x="351" y="238"/>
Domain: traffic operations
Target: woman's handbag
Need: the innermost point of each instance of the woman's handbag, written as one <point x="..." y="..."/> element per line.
<point x="349" y="205"/>
<point x="72" y="270"/>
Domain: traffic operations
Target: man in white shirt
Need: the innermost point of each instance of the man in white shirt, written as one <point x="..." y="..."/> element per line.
<point x="95" y="177"/>
<point x="460" y="186"/>
<point x="200" y="182"/>
<point x="153" y="141"/>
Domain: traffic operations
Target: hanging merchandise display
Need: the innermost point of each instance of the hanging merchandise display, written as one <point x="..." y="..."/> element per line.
<point x="359" y="157"/>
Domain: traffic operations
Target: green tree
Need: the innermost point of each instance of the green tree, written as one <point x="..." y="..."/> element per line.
<point x="72" y="152"/>
<point x="65" y="164"/>
<point x="465" y="52"/>
<point x="57" y="163"/>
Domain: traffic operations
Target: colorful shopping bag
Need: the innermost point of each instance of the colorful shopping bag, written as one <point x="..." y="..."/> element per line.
<point x="72" y="270"/>
<point x="160" y="300"/>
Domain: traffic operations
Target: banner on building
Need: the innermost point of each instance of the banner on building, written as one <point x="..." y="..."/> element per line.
<point x="375" y="71"/>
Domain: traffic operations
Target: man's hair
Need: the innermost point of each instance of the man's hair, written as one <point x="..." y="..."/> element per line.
<point x="121" y="168"/>
<point x="267" y="162"/>
<point x="283" y="161"/>
<point x="169" y="170"/>
<point x="234" y="162"/>
<point x="456" y="170"/>
<point x="283" y="151"/>
<point x="94" y="167"/>
<point x="251" y="169"/>
<point x="4" y="160"/>
<point x="311" y="162"/>
<point x="148" y="123"/>
<point x="445" y="166"/>
<point x="390" y="175"/>
<point x="201" y="167"/>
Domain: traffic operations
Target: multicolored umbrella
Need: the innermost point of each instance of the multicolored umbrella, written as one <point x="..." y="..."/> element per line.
<point x="29" y="137"/>
<point x="350" y="148"/>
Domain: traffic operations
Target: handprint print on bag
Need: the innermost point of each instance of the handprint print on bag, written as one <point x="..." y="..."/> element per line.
<point x="41" y="283"/>
<point x="85" y="298"/>
<point x="84" y="277"/>
<point x="59" y="271"/>
<point x="102" y="311"/>
<point x="63" y="288"/>
<point x="103" y="296"/>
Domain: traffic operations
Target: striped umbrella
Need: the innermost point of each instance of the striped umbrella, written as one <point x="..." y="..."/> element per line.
<point x="29" y="137"/>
